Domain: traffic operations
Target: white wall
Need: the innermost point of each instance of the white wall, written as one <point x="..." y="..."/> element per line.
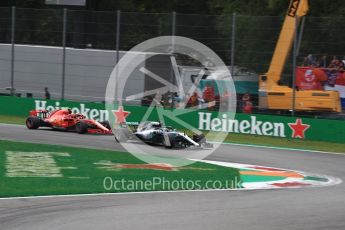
<point x="87" y="72"/>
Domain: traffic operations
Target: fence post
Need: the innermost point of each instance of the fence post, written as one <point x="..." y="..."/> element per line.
<point x="118" y="18"/>
<point x="233" y="36"/>
<point x="294" y="56"/>
<point x="118" y="24"/>
<point x="64" y="29"/>
<point x="173" y="31"/>
<point x="13" y="41"/>
<point x="300" y="35"/>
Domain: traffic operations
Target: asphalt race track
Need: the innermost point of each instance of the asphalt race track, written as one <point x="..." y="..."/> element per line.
<point x="300" y="208"/>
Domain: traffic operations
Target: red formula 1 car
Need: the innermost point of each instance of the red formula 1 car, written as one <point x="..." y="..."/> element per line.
<point x="64" y="119"/>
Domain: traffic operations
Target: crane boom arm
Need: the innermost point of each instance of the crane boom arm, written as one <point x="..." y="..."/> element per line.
<point x="279" y="97"/>
<point x="297" y="9"/>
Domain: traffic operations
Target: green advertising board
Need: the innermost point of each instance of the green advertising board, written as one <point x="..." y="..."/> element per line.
<point x="251" y="124"/>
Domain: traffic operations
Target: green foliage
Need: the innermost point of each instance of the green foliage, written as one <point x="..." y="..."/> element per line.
<point x="318" y="8"/>
<point x="257" y="26"/>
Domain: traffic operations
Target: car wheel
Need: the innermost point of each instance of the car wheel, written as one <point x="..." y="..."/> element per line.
<point x="169" y="146"/>
<point x="178" y="143"/>
<point x="81" y="127"/>
<point x="201" y="139"/>
<point x="33" y="122"/>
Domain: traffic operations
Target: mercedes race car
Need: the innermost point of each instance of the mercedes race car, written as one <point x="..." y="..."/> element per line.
<point x="153" y="133"/>
<point x="64" y="119"/>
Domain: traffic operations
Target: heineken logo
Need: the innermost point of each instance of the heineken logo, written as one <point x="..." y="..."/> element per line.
<point x="222" y="123"/>
<point x="252" y="126"/>
<point x="95" y="114"/>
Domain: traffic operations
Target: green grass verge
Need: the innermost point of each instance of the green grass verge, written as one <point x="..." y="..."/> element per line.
<point x="12" y="119"/>
<point x="246" y="139"/>
<point x="257" y="140"/>
<point x="285" y="143"/>
<point x="82" y="171"/>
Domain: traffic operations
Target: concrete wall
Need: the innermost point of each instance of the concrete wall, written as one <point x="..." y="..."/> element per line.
<point x="87" y="72"/>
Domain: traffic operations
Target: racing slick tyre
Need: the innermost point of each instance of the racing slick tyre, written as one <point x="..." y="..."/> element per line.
<point x="106" y="124"/>
<point x="169" y="146"/>
<point x="33" y="122"/>
<point x="179" y="142"/>
<point x="121" y="135"/>
<point x="200" y="139"/>
<point x="81" y="127"/>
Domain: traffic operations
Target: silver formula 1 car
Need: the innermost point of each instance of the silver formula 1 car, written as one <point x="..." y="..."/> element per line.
<point x="153" y="133"/>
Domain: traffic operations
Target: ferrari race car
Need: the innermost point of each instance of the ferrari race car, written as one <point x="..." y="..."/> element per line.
<point x="153" y="133"/>
<point x="64" y="119"/>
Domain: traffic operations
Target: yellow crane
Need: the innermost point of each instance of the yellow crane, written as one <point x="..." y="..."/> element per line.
<point x="277" y="97"/>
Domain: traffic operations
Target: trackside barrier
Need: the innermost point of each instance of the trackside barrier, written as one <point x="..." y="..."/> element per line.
<point x="253" y="124"/>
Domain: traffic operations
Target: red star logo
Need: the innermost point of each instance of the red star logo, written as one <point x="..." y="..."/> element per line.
<point x="298" y="128"/>
<point x="120" y="115"/>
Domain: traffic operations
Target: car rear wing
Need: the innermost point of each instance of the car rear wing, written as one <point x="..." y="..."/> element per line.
<point x="39" y="113"/>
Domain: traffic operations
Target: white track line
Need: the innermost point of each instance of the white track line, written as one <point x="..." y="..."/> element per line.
<point x="148" y="192"/>
<point x="279" y="148"/>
